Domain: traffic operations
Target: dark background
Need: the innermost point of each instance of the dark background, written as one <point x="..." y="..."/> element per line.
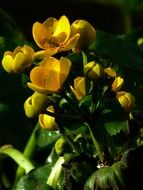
<point x="103" y="16"/>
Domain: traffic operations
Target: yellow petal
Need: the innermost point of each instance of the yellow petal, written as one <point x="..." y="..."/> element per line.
<point x="39" y="89"/>
<point x="50" y="24"/>
<point x="65" y="65"/>
<point x="19" y="62"/>
<point x="110" y="72"/>
<point x="71" y="43"/>
<point x="63" y="26"/>
<point x="7" y="63"/>
<point x="41" y="35"/>
<point x="48" y="122"/>
<point x="78" y="95"/>
<point x="38" y="76"/>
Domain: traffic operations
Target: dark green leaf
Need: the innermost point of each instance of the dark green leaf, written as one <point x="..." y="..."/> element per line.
<point x="119" y="51"/>
<point x="35" y="180"/>
<point x="106" y="178"/>
<point x="45" y="138"/>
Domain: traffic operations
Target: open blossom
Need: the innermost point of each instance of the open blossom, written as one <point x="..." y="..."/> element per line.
<point x="54" y="36"/>
<point x="79" y="87"/>
<point x="50" y="75"/>
<point x="18" y="60"/>
<point x="126" y="100"/>
<point x="86" y="31"/>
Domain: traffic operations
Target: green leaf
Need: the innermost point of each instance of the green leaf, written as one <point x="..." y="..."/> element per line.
<point x="115" y="127"/>
<point x="45" y="138"/>
<point x="114" y="117"/>
<point x="105" y="178"/>
<point x="118" y="50"/>
<point x="35" y="180"/>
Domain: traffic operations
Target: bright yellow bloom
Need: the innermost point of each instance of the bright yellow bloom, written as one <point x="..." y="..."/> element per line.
<point x="54" y="35"/>
<point x="126" y="100"/>
<point x="35" y="104"/>
<point x="86" y="31"/>
<point x="110" y="72"/>
<point x="47" y="121"/>
<point x="18" y="60"/>
<point x="94" y="71"/>
<point x="50" y="75"/>
<point x="117" y="84"/>
<point x="79" y="87"/>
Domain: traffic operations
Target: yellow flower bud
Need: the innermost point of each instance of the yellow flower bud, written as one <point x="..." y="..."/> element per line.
<point x="18" y="60"/>
<point x="126" y="100"/>
<point x="35" y="104"/>
<point x="48" y="122"/>
<point x="86" y="31"/>
<point x="117" y="84"/>
<point x="79" y="87"/>
<point x="94" y="71"/>
<point x="110" y="72"/>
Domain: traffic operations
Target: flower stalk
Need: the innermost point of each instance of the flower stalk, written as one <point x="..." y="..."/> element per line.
<point x="18" y="157"/>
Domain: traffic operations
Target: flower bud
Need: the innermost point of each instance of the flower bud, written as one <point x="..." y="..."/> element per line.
<point x="60" y="145"/>
<point x="79" y="87"/>
<point x="18" y="60"/>
<point x="126" y="100"/>
<point x="110" y="72"/>
<point x="94" y="71"/>
<point x="117" y="84"/>
<point x="87" y="34"/>
<point x="48" y="122"/>
<point x="35" y="104"/>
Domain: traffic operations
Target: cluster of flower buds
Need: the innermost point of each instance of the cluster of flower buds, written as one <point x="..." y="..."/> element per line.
<point x="96" y="72"/>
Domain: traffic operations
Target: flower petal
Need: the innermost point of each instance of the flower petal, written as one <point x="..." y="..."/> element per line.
<point x="71" y="43"/>
<point x="63" y="26"/>
<point x="65" y="65"/>
<point x="39" y="89"/>
<point x="41" y="35"/>
<point x="7" y="63"/>
<point x="37" y="76"/>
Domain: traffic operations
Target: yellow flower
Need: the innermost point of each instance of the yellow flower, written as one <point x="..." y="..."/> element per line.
<point x="35" y="104"/>
<point x="126" y="100"/>
<point x="94" y="71"/>
<point x="18" y="60"/>
<point x="47" y="121"/>
<point x="50" y="75"/>
<point x="54" y="35"/>
<point x="110" y="72"/>
<point x="86" y="31"/>
<point x="79" y="87"/>
<point x="117" y="84"/>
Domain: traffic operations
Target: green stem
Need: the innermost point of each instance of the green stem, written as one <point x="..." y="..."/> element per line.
<point x="74" y="148"/>
<point x="84" y="57"/>
<point x="18" y="157"/>
<point x="86" y="120"/>
<point x="111" y="146"/>
<point x="55" y="172"/>
<point x="96" y="144"/>
<point x="28" y="152"/>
